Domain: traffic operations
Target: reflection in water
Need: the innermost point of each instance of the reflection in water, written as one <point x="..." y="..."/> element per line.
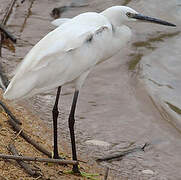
<point x="149" y="44"/>
<point x="126" y="2"/>
<point x="163" y="36"/>
<point x="135" y="59"/>
<point x="161" y="70"/>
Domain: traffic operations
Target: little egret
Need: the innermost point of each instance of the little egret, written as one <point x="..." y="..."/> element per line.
<point x="69" y="53"/>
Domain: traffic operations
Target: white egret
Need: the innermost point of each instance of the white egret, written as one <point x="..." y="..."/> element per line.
<point x="69" y="53"/>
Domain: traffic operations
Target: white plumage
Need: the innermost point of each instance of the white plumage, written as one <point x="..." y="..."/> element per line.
<point x="60" y="21"/>
<point x="68" y="53"/>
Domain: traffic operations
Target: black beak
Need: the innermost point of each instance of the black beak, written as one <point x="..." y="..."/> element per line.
<point x="152" y="20"/>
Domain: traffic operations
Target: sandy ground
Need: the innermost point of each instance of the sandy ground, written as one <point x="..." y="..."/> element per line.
<point x="10" y="170"/>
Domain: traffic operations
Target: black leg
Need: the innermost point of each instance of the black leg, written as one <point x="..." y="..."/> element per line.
<point x="55" y="113"/>
<point x="71" y="128"/>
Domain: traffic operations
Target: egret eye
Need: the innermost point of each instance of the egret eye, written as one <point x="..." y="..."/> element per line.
<point x="128" y="14"/>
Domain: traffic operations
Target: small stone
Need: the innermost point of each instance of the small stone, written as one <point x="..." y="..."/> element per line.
<point x="97" y="143"/>
<point x="148" y="171"/>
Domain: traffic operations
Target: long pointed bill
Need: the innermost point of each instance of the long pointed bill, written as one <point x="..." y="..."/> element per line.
<point x="152" y="20"/>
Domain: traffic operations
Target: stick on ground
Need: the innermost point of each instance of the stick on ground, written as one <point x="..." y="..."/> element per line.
<point x="8" y="112"/>
<point x="24" y="165"/>
<point x="8" y="12"/>
<point x="28" y="158"/>
<point x="13" y="122"/>
<point x="124" y="153"/>
<point x="7" y="34"/>
<point x="17" y="128"/>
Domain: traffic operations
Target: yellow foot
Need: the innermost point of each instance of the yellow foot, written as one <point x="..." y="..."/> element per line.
<point x="84" y="174"/>
<point x="89" y="176"/>
<point x="62" y="156"/>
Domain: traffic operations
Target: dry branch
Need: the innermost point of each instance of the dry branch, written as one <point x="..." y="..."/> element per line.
<point x="8" y="112"/>
<point x="24" y="165"/>
<point x="124" y="153"/>
<point x="7" y="34"/>
<point x="37" y="159"/>
<point x="17" y="128"/>
<point x="6" y="37"/>
<point x="8" y="12"/>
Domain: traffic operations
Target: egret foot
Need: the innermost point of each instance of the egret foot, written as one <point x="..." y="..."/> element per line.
<point x="75" y="169"/>
<point x="89" y="176"/>
<point x="83" y="174"/>
<point x="57" y="157"/>
<point x="55" y="154"/>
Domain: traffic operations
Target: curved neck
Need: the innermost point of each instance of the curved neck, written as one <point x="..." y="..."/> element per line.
<point x="112" y="17"/>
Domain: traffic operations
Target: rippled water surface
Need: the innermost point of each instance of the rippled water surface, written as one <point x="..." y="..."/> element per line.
<point x="132" y="99"/>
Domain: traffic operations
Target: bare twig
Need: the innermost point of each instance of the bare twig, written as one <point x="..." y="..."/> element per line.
<point x="17" y="128"/>
<point x="8" y="12"/>
<point x="13" y="122"/>
<point x="7" y="37"/>
<point x="24" y="165"/>
<point x="8" y="112"/>
<point x="122" y="154"/>
<point x="27" y="15"/>
<point x="7" y="33"/>
<point x="37" y="159"/>
<point x="17" y="135"/>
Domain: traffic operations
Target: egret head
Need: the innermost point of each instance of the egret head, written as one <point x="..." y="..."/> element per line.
<point x="121" y="14"/>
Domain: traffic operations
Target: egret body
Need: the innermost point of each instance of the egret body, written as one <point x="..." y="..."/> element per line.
<point x="69" y="53"/>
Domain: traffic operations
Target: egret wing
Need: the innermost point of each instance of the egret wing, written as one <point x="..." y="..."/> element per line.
<point x="59" y="57"/>
<point x="58" y="43"/>
<point x="60" y="21"/>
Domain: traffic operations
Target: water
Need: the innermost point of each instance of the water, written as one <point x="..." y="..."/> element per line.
<point x="132" y="99"/>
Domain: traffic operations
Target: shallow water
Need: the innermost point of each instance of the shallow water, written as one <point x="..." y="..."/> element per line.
<point x="132" y="99"/>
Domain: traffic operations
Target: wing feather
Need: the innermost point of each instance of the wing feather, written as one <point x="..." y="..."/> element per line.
<point x="60" y="21"/>
<point x="67" y="37"/>
<point x="61" y="56"/>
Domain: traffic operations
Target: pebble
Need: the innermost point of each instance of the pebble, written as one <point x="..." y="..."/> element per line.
<point x="148" y="171"/>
